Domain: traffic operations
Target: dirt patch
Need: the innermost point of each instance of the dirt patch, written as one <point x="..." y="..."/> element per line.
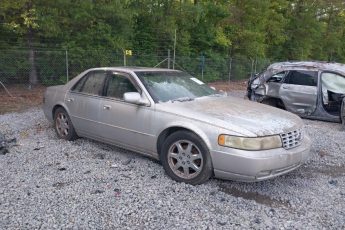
<point x="257" y="197"/>
<point x="331" y="171"/>
<point x="229" y="86"/>
<point x="20" y="98"/>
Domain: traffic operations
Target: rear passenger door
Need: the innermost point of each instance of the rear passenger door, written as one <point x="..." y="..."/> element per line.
<point x="83" y="102"/>
<point x="299" y="91"/>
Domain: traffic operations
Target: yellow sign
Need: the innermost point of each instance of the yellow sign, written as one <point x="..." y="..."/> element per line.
<point x="128" y="52"/>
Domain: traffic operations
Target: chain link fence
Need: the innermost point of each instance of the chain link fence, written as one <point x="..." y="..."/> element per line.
<point x="53" y="67"/>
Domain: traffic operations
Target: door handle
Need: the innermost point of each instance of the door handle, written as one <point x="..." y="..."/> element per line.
<point x="286" y="87"/>
<point x="106" y="107"/>
<point x="70" y="99"/>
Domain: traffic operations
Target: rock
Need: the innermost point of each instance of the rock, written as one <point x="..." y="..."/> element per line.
<point x="272" y="211"/>
<point x="38" y="148"/>
<point x="98" y="191"/>
<point x="222" y="223"/>
<point x="5" y="144"/>
<point x="126" y="162"/>
<point x="212" y="193"/>
<point x="257" y="221"/>
<point x="100" y="156"/>
<point x="333" y="182"/>
<point x="59" y="185"/>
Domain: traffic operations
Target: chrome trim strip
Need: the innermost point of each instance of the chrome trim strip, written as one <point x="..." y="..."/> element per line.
<point x="130" y="130"/>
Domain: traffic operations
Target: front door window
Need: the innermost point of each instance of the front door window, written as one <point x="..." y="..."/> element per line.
<point x="118" y="85"/>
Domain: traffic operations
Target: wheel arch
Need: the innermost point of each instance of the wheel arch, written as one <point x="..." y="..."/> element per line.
<point x="56" y="107"/>
<point x="172" y="129"/>
<point x="274" y="101"/>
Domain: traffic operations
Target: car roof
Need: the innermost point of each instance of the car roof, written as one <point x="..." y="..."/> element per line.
<point x="125" y="69"/>
<point x="307" y="65"/>
<point x="134" y="69"/>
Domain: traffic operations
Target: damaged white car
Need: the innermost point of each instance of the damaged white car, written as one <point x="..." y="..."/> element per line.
<point x="313" y="90"/>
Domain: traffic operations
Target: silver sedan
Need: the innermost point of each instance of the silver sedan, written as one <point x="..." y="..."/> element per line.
<point x="169" y="115"/>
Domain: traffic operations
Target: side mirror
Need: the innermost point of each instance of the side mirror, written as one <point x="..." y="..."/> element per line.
<point x="134" y="98"/>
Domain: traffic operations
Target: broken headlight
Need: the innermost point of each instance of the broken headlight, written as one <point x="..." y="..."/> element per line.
<point x="250" y="143"/>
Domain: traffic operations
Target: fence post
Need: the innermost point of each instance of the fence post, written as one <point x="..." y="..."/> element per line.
<point x="168" y="58"/>
<point x="67" y="74"/>
<point x="124" y="57"/>
<point x="252" y="67"/>
<point x="174" y="51"/>
<point x="230" y="62"/>
<point x="202" y="66"/>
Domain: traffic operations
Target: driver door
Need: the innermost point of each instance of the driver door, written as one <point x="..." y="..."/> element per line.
<point x="122" y="123"/>
<point x="274" y="83"/>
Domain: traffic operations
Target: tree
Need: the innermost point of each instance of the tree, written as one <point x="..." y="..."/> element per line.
<point x="331" y="15"/>
<point x="20" y="17"/>
<point x="303" y="29"/>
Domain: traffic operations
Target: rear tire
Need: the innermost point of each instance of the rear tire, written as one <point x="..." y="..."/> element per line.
<point x="63" y="125"/>
<point x="186" y="158"/>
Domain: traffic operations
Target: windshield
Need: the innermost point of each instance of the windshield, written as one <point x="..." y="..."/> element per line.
<point x="173" y="86"/>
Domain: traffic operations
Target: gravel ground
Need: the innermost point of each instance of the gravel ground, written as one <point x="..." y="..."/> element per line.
<point x="50" y="183"/>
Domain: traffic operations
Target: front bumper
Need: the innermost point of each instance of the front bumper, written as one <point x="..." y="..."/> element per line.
<point x="249" y="166"/>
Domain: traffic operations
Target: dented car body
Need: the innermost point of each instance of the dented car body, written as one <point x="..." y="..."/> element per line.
<point x="309" y="89"/>
<point x="171" y="116"/>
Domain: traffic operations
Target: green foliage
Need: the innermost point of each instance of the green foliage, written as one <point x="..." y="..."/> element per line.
<point x="14" y="66"/>
<point x="96" y="33"/>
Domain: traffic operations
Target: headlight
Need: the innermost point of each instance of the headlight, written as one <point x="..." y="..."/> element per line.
<point x="250" y="143"/>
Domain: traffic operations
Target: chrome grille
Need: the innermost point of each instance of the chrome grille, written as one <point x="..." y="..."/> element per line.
<point x="292" y="139"/>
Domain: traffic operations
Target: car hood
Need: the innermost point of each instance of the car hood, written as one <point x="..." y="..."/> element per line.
<point x="237" y="115"/>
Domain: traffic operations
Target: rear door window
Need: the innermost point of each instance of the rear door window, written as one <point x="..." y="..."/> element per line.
<point x="91" y="83"/>
<point x="297" y="77"/>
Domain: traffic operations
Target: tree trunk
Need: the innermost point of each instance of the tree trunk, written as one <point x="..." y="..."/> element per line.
<point x="33" y="72"/>
<point x="33" y="80"/>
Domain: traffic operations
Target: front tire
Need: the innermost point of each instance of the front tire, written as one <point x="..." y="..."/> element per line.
<point x="186" y="158"/>
<point x="63" y="125"/>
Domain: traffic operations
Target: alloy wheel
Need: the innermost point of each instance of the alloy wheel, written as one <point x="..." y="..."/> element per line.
<point x="62" y="125"/>
<point x="185" y="159"/>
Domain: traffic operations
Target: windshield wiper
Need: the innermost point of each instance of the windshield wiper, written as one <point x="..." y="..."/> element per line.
<point x="182" y="99"/>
